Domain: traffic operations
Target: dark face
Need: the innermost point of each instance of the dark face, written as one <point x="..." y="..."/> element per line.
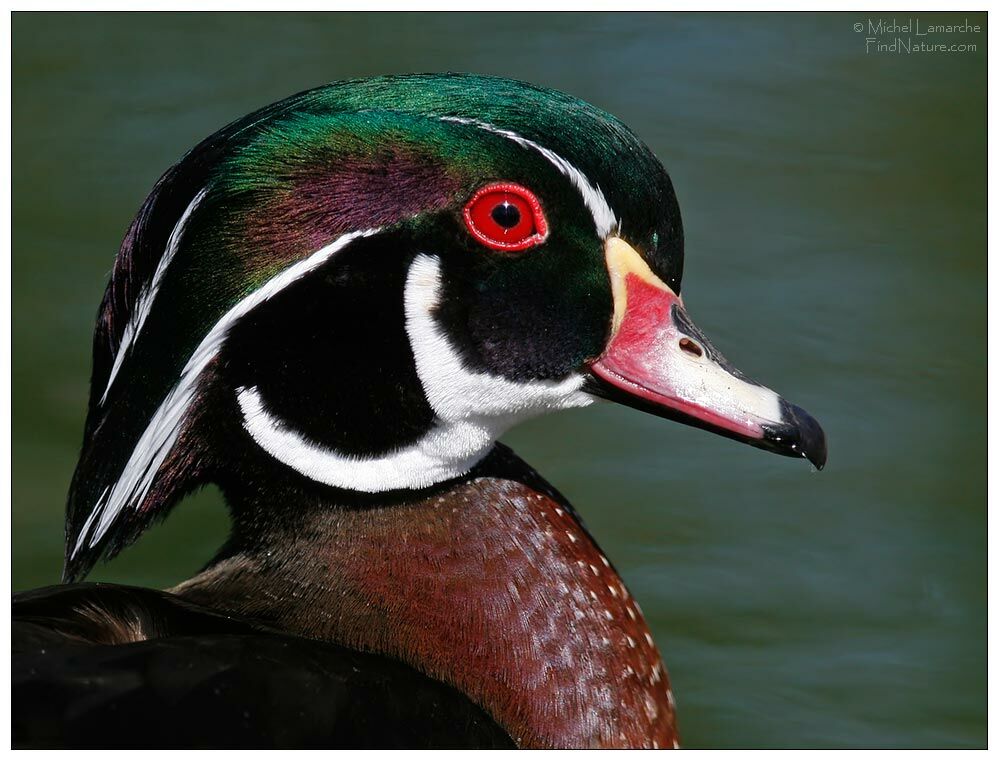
<point x="521" y="292"/>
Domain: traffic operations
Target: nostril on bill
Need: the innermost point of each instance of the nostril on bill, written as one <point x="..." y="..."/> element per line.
<point x="690" y="347"/>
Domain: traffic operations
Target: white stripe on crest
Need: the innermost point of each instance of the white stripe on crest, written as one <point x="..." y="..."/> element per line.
<point x="603" y="216"/>
<point x="164" y="426"/>
<point x="145" y="301"/>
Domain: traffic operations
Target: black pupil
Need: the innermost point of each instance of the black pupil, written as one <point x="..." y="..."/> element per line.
<point x="506" y="215"/>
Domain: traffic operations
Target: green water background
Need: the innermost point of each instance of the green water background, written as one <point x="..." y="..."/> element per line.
<point x="835" y="211"/>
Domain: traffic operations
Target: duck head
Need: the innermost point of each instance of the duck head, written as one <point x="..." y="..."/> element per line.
<point x="368" y="283"/>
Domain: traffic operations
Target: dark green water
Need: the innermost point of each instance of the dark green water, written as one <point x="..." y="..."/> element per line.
<point x="835" y="209"/>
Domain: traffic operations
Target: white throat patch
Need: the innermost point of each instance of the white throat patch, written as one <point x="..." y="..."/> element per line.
<point x="472" y="409"/>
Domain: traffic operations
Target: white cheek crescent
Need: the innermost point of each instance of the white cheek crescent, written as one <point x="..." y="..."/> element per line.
<point x="472" y="409"/>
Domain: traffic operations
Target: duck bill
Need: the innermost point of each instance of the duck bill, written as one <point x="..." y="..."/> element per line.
<point x="658" y="361"/>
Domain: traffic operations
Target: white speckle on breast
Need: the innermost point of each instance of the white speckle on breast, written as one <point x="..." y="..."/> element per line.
<point x="651" y="709"/>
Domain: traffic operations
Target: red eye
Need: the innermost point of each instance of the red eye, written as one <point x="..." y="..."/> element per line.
<point x="506" y="217"/>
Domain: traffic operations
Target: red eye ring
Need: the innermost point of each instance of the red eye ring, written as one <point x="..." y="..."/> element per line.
<point x="506" y="217"/>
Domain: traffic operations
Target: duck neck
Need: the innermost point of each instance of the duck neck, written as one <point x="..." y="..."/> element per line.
<point x="490" y="584"/>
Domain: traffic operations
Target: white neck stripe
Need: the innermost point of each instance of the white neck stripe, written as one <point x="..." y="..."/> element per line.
<point x="445" y="452"/>
<point x="164" y="426"/>
<point x="472" y="409"/>
<point x="603" y="216"/>
<point x="145" y="301"/>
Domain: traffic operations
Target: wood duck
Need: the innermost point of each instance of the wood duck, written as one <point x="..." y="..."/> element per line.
<point x="332" y="308"/>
